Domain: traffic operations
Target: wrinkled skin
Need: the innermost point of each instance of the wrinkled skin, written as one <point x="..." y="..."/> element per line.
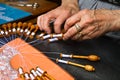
<point x="59" y="15"/>
<point x="93" y="23"/>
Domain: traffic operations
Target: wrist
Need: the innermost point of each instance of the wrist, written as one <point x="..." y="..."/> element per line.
<point x="116" y="20"/>
<point x="71" y="4"/>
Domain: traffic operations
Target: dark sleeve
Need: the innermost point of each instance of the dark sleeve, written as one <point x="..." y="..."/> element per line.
<point x="57" y="1"/>
<point x="117" y="2"/>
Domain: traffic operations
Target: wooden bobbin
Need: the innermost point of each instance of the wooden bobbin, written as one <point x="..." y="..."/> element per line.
<point x="14" y="26"/>
<point x="86" y="67"/>
<point x="27" y="77"/>
<point x="90" y="57"/>
<point x="33" y="32"/>
<point x="40" y="35"/>
<point x="21" y="73"/>
<point x="9" y="28"/>
<point x="60" y="36"/>
<point x="4" y="26"/>
<point x="2" y="33"/>
<point x="40" y="75"/>
<point x="35" y="74"/>
<point x="46" y="36"/>
<point x="29" y="31"/>
<point x="27" y="28"/>
<point x="19" y="27"/>
<point x="29" y="25"/>
<point x="22" y="29"/>
<point x="45" y="74"/>
<point x="25" y="25"/>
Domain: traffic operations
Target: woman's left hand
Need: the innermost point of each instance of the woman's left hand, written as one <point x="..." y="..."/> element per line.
<point x="88" y="24"/>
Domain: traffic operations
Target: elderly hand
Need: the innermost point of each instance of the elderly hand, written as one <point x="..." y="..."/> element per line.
<point x="88" y="24"/>
<point x="59" y="15"/>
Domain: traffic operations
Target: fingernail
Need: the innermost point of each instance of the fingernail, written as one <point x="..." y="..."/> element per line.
<point x="64" y="38"/>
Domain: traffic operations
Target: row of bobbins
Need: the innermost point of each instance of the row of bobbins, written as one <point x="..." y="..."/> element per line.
<point x="37" y="74"/>
<point x="51" y="37"/>
<point x="28" y="30"/>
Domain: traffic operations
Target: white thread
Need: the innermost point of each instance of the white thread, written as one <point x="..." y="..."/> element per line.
<point x="53" y="39"/>
<point x="41" y="34"/>
<point x="21" y="30"/>
<point x="9" y="30"/>
<point x="28" y="32"/>
<point x="32" y="77"/>
<point x="38" y="73"/>
<point x="6" y="32"/>
<point x="2" y="32"/>
<point x="62" y="61"/>
<point x="27" y="76"/>
<point x="32" y="33"/>
<point x="18" y="29"/>
<point x="20" y="70"/>
<point x="14" y="30"/>
<point x="57" y="35"/>
<point x="46" y="36"/>
<point x="34" y="73"/>
<point x="66" y="55"/>
<point x="40" y="70"/>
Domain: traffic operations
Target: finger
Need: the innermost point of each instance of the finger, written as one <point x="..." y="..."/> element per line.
<point x="46" y="23"/>
<point x="83" y="32"/>
<point x="38" y="22"/>
<point x="77" y="36"/>
<point x="71" y="21"/>
<point x="58" y="23"/>
<point x="71" y="32"/>
<point x="74" y="30"/>
<point x="91" y="35"/>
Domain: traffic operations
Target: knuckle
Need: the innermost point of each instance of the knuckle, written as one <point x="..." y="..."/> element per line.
<point x="38" y="18"/>
<point x="70" y="32"/>
<point x="68" y="22"/>
<point x="85" y="11"/>
<point x="56" y="23"/>
<point x="89" y="20"/>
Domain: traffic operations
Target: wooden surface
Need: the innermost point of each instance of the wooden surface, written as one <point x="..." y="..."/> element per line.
<point x="45" y="5"/>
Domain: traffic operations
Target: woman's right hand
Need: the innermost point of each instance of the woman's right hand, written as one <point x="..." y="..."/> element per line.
<point x="59" y="15"/>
